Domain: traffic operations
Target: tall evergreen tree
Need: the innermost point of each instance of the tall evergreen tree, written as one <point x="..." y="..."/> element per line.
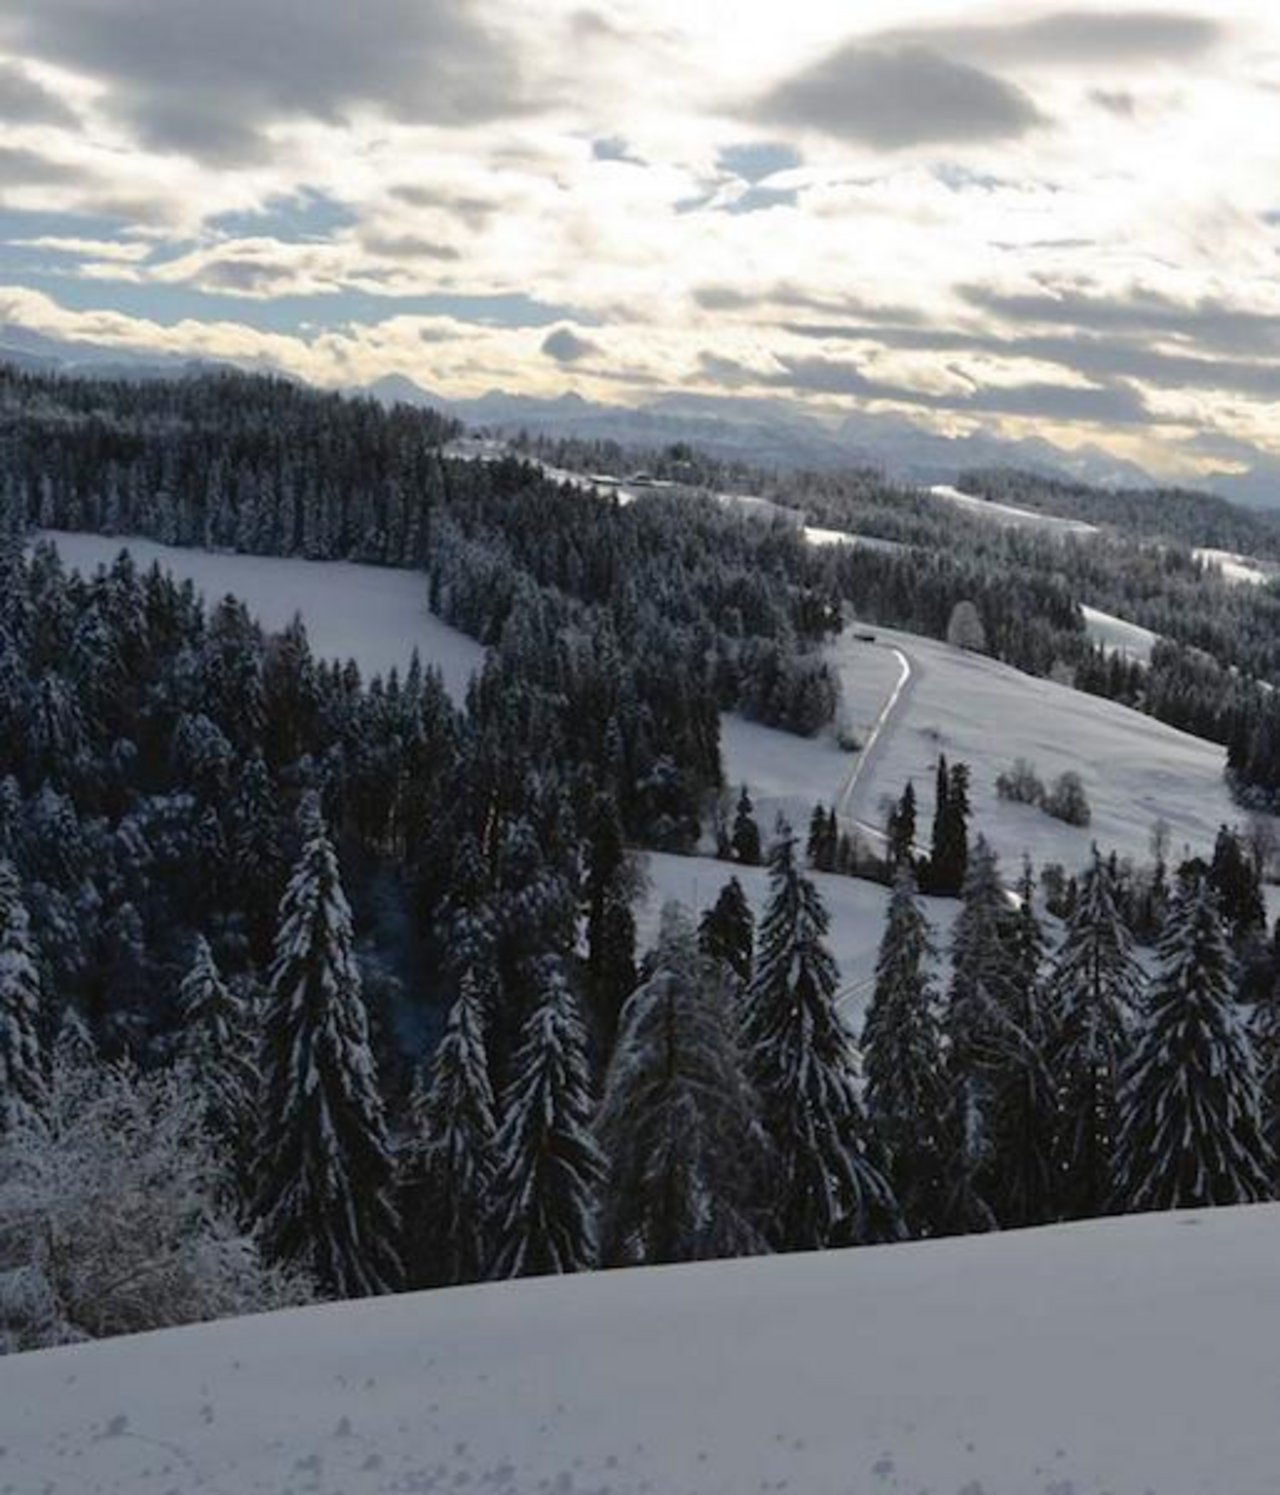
<point x="1095" y="990"/>
<point x="979" y="1032"/>
<point x="550" y="1171"/>
<point x="678" y="1121"/>
<point x="745" y="839"/>
<point x="611" y="928"/>
<point x="218" y="1043"/>
<point x="22" y="1066"/>
<point x="830" y="1189"/>
<point x="727" y="932"/>
<point x="1023" y="1098"/>
<point x="902" y="829"/>
<point x="451" y="1155"/>
<point x="1191" y="1112"/>
<point x="949" y="851"/>
<point x="325" y="1181"/>
<point x="906" y="1085"/>
<point x="1235" y="880"/>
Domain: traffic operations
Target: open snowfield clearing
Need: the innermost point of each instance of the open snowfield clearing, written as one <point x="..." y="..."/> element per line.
<point x="1010" y="515"/>
<point x="1117" y="636"/>
<point x="372" y="614"/>
<point x="1135" y="769"/>
<point x="1242" y="569"/>
<point x="1134" y="1356"/>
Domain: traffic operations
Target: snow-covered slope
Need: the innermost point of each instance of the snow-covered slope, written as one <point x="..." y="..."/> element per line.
<point x="372" y="614"/>
<point x="1127" y="1356"/>
<point x="1240" y="569"/>
<point x="1010" y="515"/>
<point x="1135" y="769"/>
<point x="1118" y="636"/>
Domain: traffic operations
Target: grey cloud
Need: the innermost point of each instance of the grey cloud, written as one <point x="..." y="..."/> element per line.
<point x="24" y="168"/>
<point x="715" y="296"/>
<point x="206" y="79"/>
<point x="893" y="97"/>
<point x="1117" y="101"/>
<point x="1117" y="404"/>
<point x="408" y="247"/>
<point x="23" y="101"/>
<point x="1069" y="37"/>
<point x="1208" y="323"/>
<point x="1099" y="358"/>
<point x="1110" y="404"/>
<point x="565" y="346"/>
<point x="474" y="211"/>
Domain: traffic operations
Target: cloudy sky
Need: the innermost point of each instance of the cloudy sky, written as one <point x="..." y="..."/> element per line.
<point x="1059" y="221"/>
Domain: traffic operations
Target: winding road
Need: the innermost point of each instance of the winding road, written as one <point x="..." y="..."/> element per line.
<point x="847" y="805"/>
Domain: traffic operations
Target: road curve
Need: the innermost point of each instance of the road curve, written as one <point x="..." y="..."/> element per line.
<point x="847" y="806"/>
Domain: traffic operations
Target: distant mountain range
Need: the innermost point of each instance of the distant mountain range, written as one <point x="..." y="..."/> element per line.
<point x="758" y="432"/>
<point x="769" y="433"/>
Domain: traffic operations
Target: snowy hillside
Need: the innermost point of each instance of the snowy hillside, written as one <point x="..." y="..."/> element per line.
<point x="1135" y="769"/>
<point x="372" y="614"/>
<point x="1010" y="515"/>
<point x="1134" y="1355"/>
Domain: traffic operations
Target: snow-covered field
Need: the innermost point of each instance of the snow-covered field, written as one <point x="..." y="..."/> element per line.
<point x="1010" y="515"/>
<point x="1129" y="1356"/>
<point x="1117" y="636"/>
<point x="1136" y="770"/>
<point x="372" y="614"/>
<point x="1241" y="569"/>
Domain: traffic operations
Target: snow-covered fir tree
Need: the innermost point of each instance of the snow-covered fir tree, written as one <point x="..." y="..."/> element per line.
<point x="325" y="1189"/>
<point x="219" y="1044"/>
<point x="979" y="1031"/>
<point x="679" y="1123"/>
<point x="550" y="1171"/>
<point x="830" y="1189"/>
<point x="1023" y="1102"/>
<point x="1191" y="1130"/>
<point x="906" y="1082"/>
<point x="1095" y="990"/>
<point x="745" y="838"/>
<point x="450" y="1154"/>
<point x="22" y="1066"/>
<point x="727" y="932"/>
<point x="611" y="927"/>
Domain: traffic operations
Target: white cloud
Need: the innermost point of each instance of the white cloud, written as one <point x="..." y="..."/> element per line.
<point x="634" y="248"/>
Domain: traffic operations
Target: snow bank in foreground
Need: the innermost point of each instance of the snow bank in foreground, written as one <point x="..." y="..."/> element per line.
<point x="372" y="614"/>
<point x="1128" y="1356"/>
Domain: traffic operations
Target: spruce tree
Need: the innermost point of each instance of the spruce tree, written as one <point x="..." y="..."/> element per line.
<point x="546" y="1191"/>
<point x="745" y="839"/>
<point x="830" y="1189"/>
<point x="1191" y="1110"/>
<point x="903" y="1062"/>
<point x="1023" y="1098"/>
<point x="1096" y="987"/>
<point x="325" y="1173"/>
<point x="611" y="929"/>
<point x="978" y="1029"/>
<point x="727" y="932"/>
<point x="678" y="1121"/>
<point x="22" y="1066"/>
<point x="218" y="1044"/>
<point x="451" y="1154"/>
<point x="902" y="829"/>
